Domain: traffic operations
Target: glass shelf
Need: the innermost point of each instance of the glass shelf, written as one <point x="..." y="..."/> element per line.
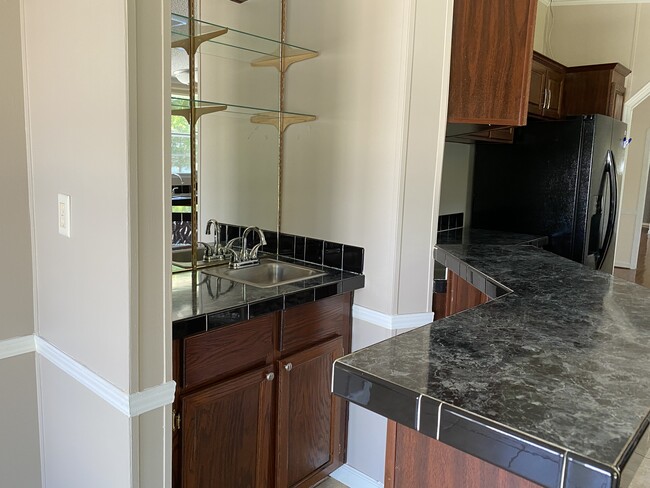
<point x="259" y="51"/>
<point x="281" y="120"/>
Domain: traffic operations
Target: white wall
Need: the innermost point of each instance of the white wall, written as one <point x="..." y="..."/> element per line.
<point x="19" y="444"/>
<point x="456" y="186"/>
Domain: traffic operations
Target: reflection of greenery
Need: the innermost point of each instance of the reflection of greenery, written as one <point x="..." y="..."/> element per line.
<point x="180" y="145"/>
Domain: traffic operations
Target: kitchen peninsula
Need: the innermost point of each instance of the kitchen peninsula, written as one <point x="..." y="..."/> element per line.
<point x="548" y="383"/>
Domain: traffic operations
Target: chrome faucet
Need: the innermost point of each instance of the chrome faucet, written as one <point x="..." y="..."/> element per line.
<point x="245" y="257"/>
<point x="217" y="249"/>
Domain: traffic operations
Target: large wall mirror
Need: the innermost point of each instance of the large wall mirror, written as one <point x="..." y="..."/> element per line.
<point x="237" y="161"/>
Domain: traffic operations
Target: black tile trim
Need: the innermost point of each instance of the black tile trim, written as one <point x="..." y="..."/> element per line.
<point x="299" y="298"/>
<point x="372" y="393"/>
<point x="582" y="472"/>
<point x="265" y="306"/>
<point x="352" y="284"/>
<point x="507" y="449"/>
<point x="439" y="286"/>
<point x="186" y="327"/>
<point x="227" y="317"/>
<point x="326" y="291"/>
<point x="429" y="410"/>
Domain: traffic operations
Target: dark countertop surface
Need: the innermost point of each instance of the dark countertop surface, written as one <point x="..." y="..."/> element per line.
<point x="201" y="301"/>
<point x="470" y="236"/>
<point x="561" y="364"/>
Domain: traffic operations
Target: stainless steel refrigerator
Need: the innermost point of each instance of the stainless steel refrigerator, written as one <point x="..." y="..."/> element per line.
<point x="559" y="179"/>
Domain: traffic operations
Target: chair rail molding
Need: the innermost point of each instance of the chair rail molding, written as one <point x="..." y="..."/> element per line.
<point x="131" y="405"/>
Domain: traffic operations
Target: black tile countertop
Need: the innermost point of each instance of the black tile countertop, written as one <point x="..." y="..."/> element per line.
<point x="201" y="301"/>
<point x="550" y="381"/>
<point x="471" y="236"/>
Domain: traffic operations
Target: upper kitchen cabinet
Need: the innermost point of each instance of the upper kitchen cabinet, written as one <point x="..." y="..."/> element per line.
<point x="491" y="55"/>
<point x="546" y="87"/>
<point x="596" y="89"/>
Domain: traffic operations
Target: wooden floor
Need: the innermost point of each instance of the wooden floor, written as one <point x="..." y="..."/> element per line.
<point x="641" y="275"/>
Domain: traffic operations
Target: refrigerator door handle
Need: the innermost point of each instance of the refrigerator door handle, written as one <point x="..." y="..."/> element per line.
<point x="609" y="171"/>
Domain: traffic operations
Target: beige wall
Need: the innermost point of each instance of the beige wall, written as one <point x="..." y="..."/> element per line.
<point x="16" y="289"/>
<point x="541" y="32"/>
<point x="20" y="462"/>
<point x="78" y="121"/>
<point x="80" y="434"/>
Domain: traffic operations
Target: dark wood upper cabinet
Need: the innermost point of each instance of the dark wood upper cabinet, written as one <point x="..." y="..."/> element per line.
<point x="546" y="93"/>
<point x="596" y="89"/>
<point x="491" y="55"/>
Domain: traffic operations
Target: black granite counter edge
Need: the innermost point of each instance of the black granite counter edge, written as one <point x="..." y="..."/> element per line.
<point x="347" y="282"/>
<point x="541" y="462"/>
<point x="476" y="278"/>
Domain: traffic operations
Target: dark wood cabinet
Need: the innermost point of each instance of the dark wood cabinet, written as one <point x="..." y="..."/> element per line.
<point x="596" y="89"/>
<point x="460" y="295"/>
<point x="309" y="417"/>
<point x="253" y="405"/>
<point x="413" y="459"/>
<point x="491" y="54"/>
<point x="226" y="431"/>
<point x="546" y="88"/>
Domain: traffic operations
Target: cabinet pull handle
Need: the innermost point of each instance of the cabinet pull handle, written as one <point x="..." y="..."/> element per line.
<point x="270" y="376"/>
<point x="548" y="99"/>
<point x="288" y="366"/>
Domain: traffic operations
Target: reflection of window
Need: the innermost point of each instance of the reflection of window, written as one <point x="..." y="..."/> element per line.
<point x="180" y="145"/>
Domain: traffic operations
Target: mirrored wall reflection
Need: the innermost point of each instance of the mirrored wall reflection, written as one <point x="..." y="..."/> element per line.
<point x="237" y="160"/>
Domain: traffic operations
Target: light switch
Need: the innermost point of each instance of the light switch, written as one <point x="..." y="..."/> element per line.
<point x="64" y="215"/>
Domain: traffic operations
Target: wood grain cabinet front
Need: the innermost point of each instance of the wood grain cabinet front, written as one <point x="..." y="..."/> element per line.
<point x="546" y="88"/>
<point x="253" y="405"/>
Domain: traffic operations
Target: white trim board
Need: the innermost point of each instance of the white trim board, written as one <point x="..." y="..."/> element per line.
<point x="17" y="346"/>
<point x="353" y="478"/>
<point x="569" y="3"/>
<point x="131" y="405"/>
<point x="391" y="322"/>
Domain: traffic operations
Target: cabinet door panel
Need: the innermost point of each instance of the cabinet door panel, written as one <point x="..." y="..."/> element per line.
<point x="309" y="415"/>
<point x="537" y="88"/>
<point x="226" y="433"/>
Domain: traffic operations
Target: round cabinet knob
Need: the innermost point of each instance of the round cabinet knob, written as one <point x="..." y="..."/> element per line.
<point x="288" y="366"/>
<point x="270" y="376"/>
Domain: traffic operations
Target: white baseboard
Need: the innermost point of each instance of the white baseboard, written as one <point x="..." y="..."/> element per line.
<point x="354" y="479"/>
<point x="391" y="322"/>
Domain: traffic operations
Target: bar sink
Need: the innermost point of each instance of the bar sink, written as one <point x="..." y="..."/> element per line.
<point x="267" y="274"/>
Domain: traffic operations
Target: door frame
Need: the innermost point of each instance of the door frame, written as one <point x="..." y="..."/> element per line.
<point x="630" y="260"/>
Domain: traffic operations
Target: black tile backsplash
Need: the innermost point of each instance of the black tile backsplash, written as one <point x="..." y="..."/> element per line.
<point x="353" y="259"/>
<point x="313" y="250"/>
<point x="299" y="251"/>
<point x="333" y="255"/>
<point x="232" y="231"/>
<point x="450" y="221"/>
<point x="287" y="245"/>
<point x="271" y="241"/>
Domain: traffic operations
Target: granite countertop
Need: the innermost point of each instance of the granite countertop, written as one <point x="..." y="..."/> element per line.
<point x="201" y="301"/>
<point x="550" y="380"/>
<point x="470" y="236"/>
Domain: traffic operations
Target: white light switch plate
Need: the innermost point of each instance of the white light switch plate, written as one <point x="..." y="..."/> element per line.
<point x="63" y="212"/>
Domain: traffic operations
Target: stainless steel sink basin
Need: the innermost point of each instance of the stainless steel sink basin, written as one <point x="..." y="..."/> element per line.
<point x="183" y="257"/>
<point x="266" y="274"/>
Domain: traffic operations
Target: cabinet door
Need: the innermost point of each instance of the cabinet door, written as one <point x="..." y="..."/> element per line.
<point x="309" y="416"/>
<point x="461" y="295"/>
<point x="226" y="433"/>
<point x="491" y="54"/>
<point x="537" y="95"/>
<point x="616" y="101"/>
